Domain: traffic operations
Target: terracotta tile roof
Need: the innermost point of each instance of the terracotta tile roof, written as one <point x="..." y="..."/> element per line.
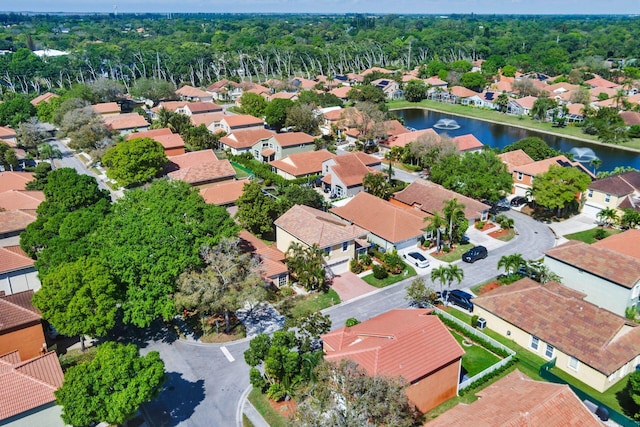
<point x="351" y="168"/>
<point x="313" y="226"/>
<point x="169" y="106"/>
<point x="403" y="342"/>
<point x="12" y="258"/>
<point x="106" y="108"/>
<point x="595" y="91"/>
<point x="28" y="385"/>
<point x="561" y="87"/>
<point x="151" y="133"/>
<point x="576" y="109"/>
<point x="378" y="69"/>
<point x="515" y="158"/>
<point x="618" y="185"/>
<point x="430" y="197"/>
<point x="462" y="92"/>
<point x="45" y="97"/>
<point x="526" y="102"/>
<point x="503" y="86"/>
<point x="340" y="92"/>
<point x="198" y="167"/>
<point x="467" y="142"/>
<point x="630" y="117"/>
<point x="434" y="81"/>
<point x="593" y="335"/>
<point x="335" y="115"/>
<point x="291" y="139"/>
<point x="517" y="400"/>
<point x="542" y="166"/>
<point x="392" y="223"/>
<point x="125" y="121"/>
<point x="203" y="107"/>
<point x="406" y="138"/>
<point x="268" y="152"/>
<point x="17" y="312"/>
<point x="284" y="95"/>
<point x="600" y="261"/>
<point x="173" y="140"/>
<point x="242" y="120"/>
<point x="600" y="82"/>
<point x="14" y="180"/>
<point x="246" y="138"/>
<point x="222" y="84"/>
<point x="624" y="243"/>
<point x="21" y="199"/>
<point x="16" y="220"/>
<point x="272" y="260"/>
<point x="6" y="132"/>
<point x="224" y="193"/>
<point x="207" y="119"/>
<point x="306" y="163"/>
<point x="192" y="92"/>
<point x="394" y="127"/>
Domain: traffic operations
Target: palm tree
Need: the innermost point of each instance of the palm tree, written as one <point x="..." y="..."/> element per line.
<point x="49" y="152"/>
<point x="502" y="101"/>
<point x="452" y="211"/>
<point x="440" y="274"/>
<point x="435" y="224"/>
<point x="608" y="216"/>
<point x="454" y="273"/>
<point x="511" y="263"/>
<point x="504" y="221"/>
<point x="595" y="163"/>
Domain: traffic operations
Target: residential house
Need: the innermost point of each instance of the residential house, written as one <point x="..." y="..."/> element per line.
<point x="299" y="165"/>
<point x="390" y="87"/>
<point x="236" y="122"/>
<point x="291" y="96"/>
<point x="300" y="83"/>
<point x="20" y="325"/>
<point x="454" y="95"/>
<point x="106" y="109"/>
<point x="630" y="118"/>
<point x="521" y="106"/>
<point x="340" y="240"/>
<point x="27" y="390"/>
<point x="467" y="143"/>
<point x="8" y="136"/>
<point x="281" y="145"/>
<point x="618" y="192"/>
<point x="430" y="197"/>
<point x="524" y="175"/>
<point x="210" y="120"/>
<point x="225" y="90"/>
<point x="200" y="168"/>
<point x="608" y="277"/>
<point x="126" y="123"/>
<point x="435" y="82"/>
<point x="17" y="273"/>
<point x="553" y="321"/>
<point x="392" y="128"/>
<point x="341" y="92"/>
<point x="194" y="108"/>
<point x="598" y="81"/>
<point x="389" y="226"/>
<point x="172" y="143"/>
<point x="17" y="205"/>
<point x="409" y="343"/>
<point x="190" y="93"/>
<point x="272" y="261"/>
<point x="517" y="400"/>
<point x="406" y="138"/>
<point x="342" y="175"/>
<point x="45" y="97"/>
<point x="485" y="99"/>
<point x="14" y="222"/>
<point x="243" y="141"/>
<point x="515" y="159"/>
<point x="224" y="193"/>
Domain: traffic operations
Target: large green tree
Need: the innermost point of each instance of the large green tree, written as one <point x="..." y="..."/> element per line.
<point x="134" y="161"/>
<point x="16" y="110"/>
<point x="275" y="113"/>
<point x="559" y="187"/>
<point x="303" y="118"/>
<point x="535" y="147"/>
<point x="256" y="210"/>
<point x="306" y="264"/>
<point x="253" y="104"/>
<point x="111" y="387"/>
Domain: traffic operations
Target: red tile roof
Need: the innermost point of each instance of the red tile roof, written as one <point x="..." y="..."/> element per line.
<point x="45" y="97"/>
<point x="17" y="312"/>
<point x="618" y="185"/>
<point x="151" y="133"/>
<point x="246" y="138"/>
<point x="27" y="385"/>
<point x="313" y="226"/>
<point x="12" y="258"/>
<point x="291" y="139"/>
<point x="467" y="142"/>
<point x="169" y="106"/>
<point x="192" y="92"/>
<point x="515" y="158"/>
<point x="434" y="81"/>
<point x="630" y="117"/>
<point x="392" y="223"/>
<point x="21" y="199"/>
<point x="16" y="220"/>
<point x="403" y="342"/>
<point x="517" y="400"/>
<point x="351" y="168"/>
<point x="207" y="119"/>
<point x="542" y="166"/>
<point x="125" y="121"/>
<point x="6" y="132"/>
<point x="222" y="84"/>
<point x="14" y="180"/>
<point x="271" y="259"/>
<point x="624" y="243"/>
<point x="203" y="107"/>
<point x="462" y="92"/>
<point x="526" y="102"/>
<point x="601" y="261"/>
<point x="168" y="142"/>
<point x="593" y="335"/>
<point x="406" y="138"/>
<point x="306" y="163"/>
<point x="430" y="197"/>
<point x="242" y="120"/>
<point x="340" y="92"/>
<point x="224" y="193"/>
<point x="106" y="108"/>
<point x="600" y="82"/>
<point x="199" y="167"/>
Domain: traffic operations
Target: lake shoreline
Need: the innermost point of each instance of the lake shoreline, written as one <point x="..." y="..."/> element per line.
<point x="557" y="134"/>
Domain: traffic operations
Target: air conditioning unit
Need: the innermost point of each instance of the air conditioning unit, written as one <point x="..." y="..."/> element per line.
<point x="481" y="323"/>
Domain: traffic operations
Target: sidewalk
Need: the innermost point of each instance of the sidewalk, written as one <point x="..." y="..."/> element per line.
<point x="574" y="224"/>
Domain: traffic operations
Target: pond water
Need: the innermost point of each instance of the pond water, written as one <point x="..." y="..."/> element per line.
<point x="499" y="136"/>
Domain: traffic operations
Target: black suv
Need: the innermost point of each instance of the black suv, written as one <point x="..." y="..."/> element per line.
<point x="475" y="253"/>
<point x="459" y="298"/>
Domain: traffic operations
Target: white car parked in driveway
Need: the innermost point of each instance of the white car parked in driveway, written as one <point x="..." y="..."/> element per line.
<point x="417" y="259"/>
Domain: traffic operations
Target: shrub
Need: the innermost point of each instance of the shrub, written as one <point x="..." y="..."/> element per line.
<point x="365" y="260"/>
<point x="352" y="321"/>
<point x="355" y="266"/>
<point x="256" y="379"/>
<point x="393" y="262"/>
<point x="286" y="291"/>
<point x="276" y="392"/>
<point x="600" y="234"/>
<point x="379" y="272"/>
<point x="474" y="320"/>
<point x="479" y="225"/>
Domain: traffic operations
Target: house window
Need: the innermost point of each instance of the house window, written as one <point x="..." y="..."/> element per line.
<point x="635" y="292"/>
<point x="345" y="246"/>
<point x="549" y="351"/>
<point x="327" y="251"/>
<point x="282" y="280"/>
<point x="607" y="198"/>
<point x="535" y="343"/>
<point x="573" y="363"/>
<point x="612" y="377"/>
<point x="519" y="176"/>
<point x="590" y="193"/>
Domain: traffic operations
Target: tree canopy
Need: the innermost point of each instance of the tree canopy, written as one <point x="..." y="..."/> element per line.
<point x="134" y="161"/>
<point x="559" y="187"/>
<point x="535" y="148"/>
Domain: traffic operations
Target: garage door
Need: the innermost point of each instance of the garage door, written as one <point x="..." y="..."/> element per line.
<point x="590" y="210"/>
<point x="339" y="267"/>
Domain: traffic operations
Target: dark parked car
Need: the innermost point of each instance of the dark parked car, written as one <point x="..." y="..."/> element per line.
<point x="518" y="201"/>
<point x="459" y="298"/>
<point x="475" y="253"/>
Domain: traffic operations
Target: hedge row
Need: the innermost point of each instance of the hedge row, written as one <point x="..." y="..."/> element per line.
<point x="486" y="344"/>
<point x="477" y="383"/>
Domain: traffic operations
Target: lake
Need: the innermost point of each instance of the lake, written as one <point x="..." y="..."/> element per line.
<point x="498" y="136"/>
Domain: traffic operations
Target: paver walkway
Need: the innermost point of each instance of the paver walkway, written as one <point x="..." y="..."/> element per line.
<point x="349" y="286"/>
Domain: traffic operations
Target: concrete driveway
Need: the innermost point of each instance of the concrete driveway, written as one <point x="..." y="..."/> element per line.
<point x="349" y="286"/>
<point x="574" y="224"/>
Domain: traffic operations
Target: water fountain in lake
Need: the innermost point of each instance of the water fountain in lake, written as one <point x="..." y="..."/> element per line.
<point x="583" y="154"/>
<point x="446" y="124"/>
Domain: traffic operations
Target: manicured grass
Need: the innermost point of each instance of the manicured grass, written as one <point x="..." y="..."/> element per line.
<point x="453" y="255"/>
<point x="262" y="405"/>
<point x="246" y="422"/>
<point x="314" y="302"/>
<point x="75" y="357"/>
<point x="588" y="236"/>
<point x="239" y="172"/>
<point x="510" y="235"/>
<point x="476" y="359"/>
<point x="391" y="279"/>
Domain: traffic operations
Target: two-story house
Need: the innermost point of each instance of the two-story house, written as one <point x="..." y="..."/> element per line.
<point x="190" y="93"/>
<point x="299" y="165"/>
<point x="614" y="192"/>
<point x="281" y="145"/>
<point x="243" y="141"/>
<point x="342" y="175"/>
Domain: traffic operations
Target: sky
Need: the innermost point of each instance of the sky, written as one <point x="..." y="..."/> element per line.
<point x="440" y="7"/>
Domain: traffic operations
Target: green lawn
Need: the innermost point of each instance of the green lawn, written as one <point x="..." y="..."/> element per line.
<point x="246" y="422"/>
<point x="262" y="405"/>
<point x="507" y="237"/>
<point x="314" y="302"/>
<point x="391" y="279"/>
<point x="476" y="359"/>
<point x="239" y="172"/>
<point x="588" y="236"/>
<point x="454" y="255"/>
